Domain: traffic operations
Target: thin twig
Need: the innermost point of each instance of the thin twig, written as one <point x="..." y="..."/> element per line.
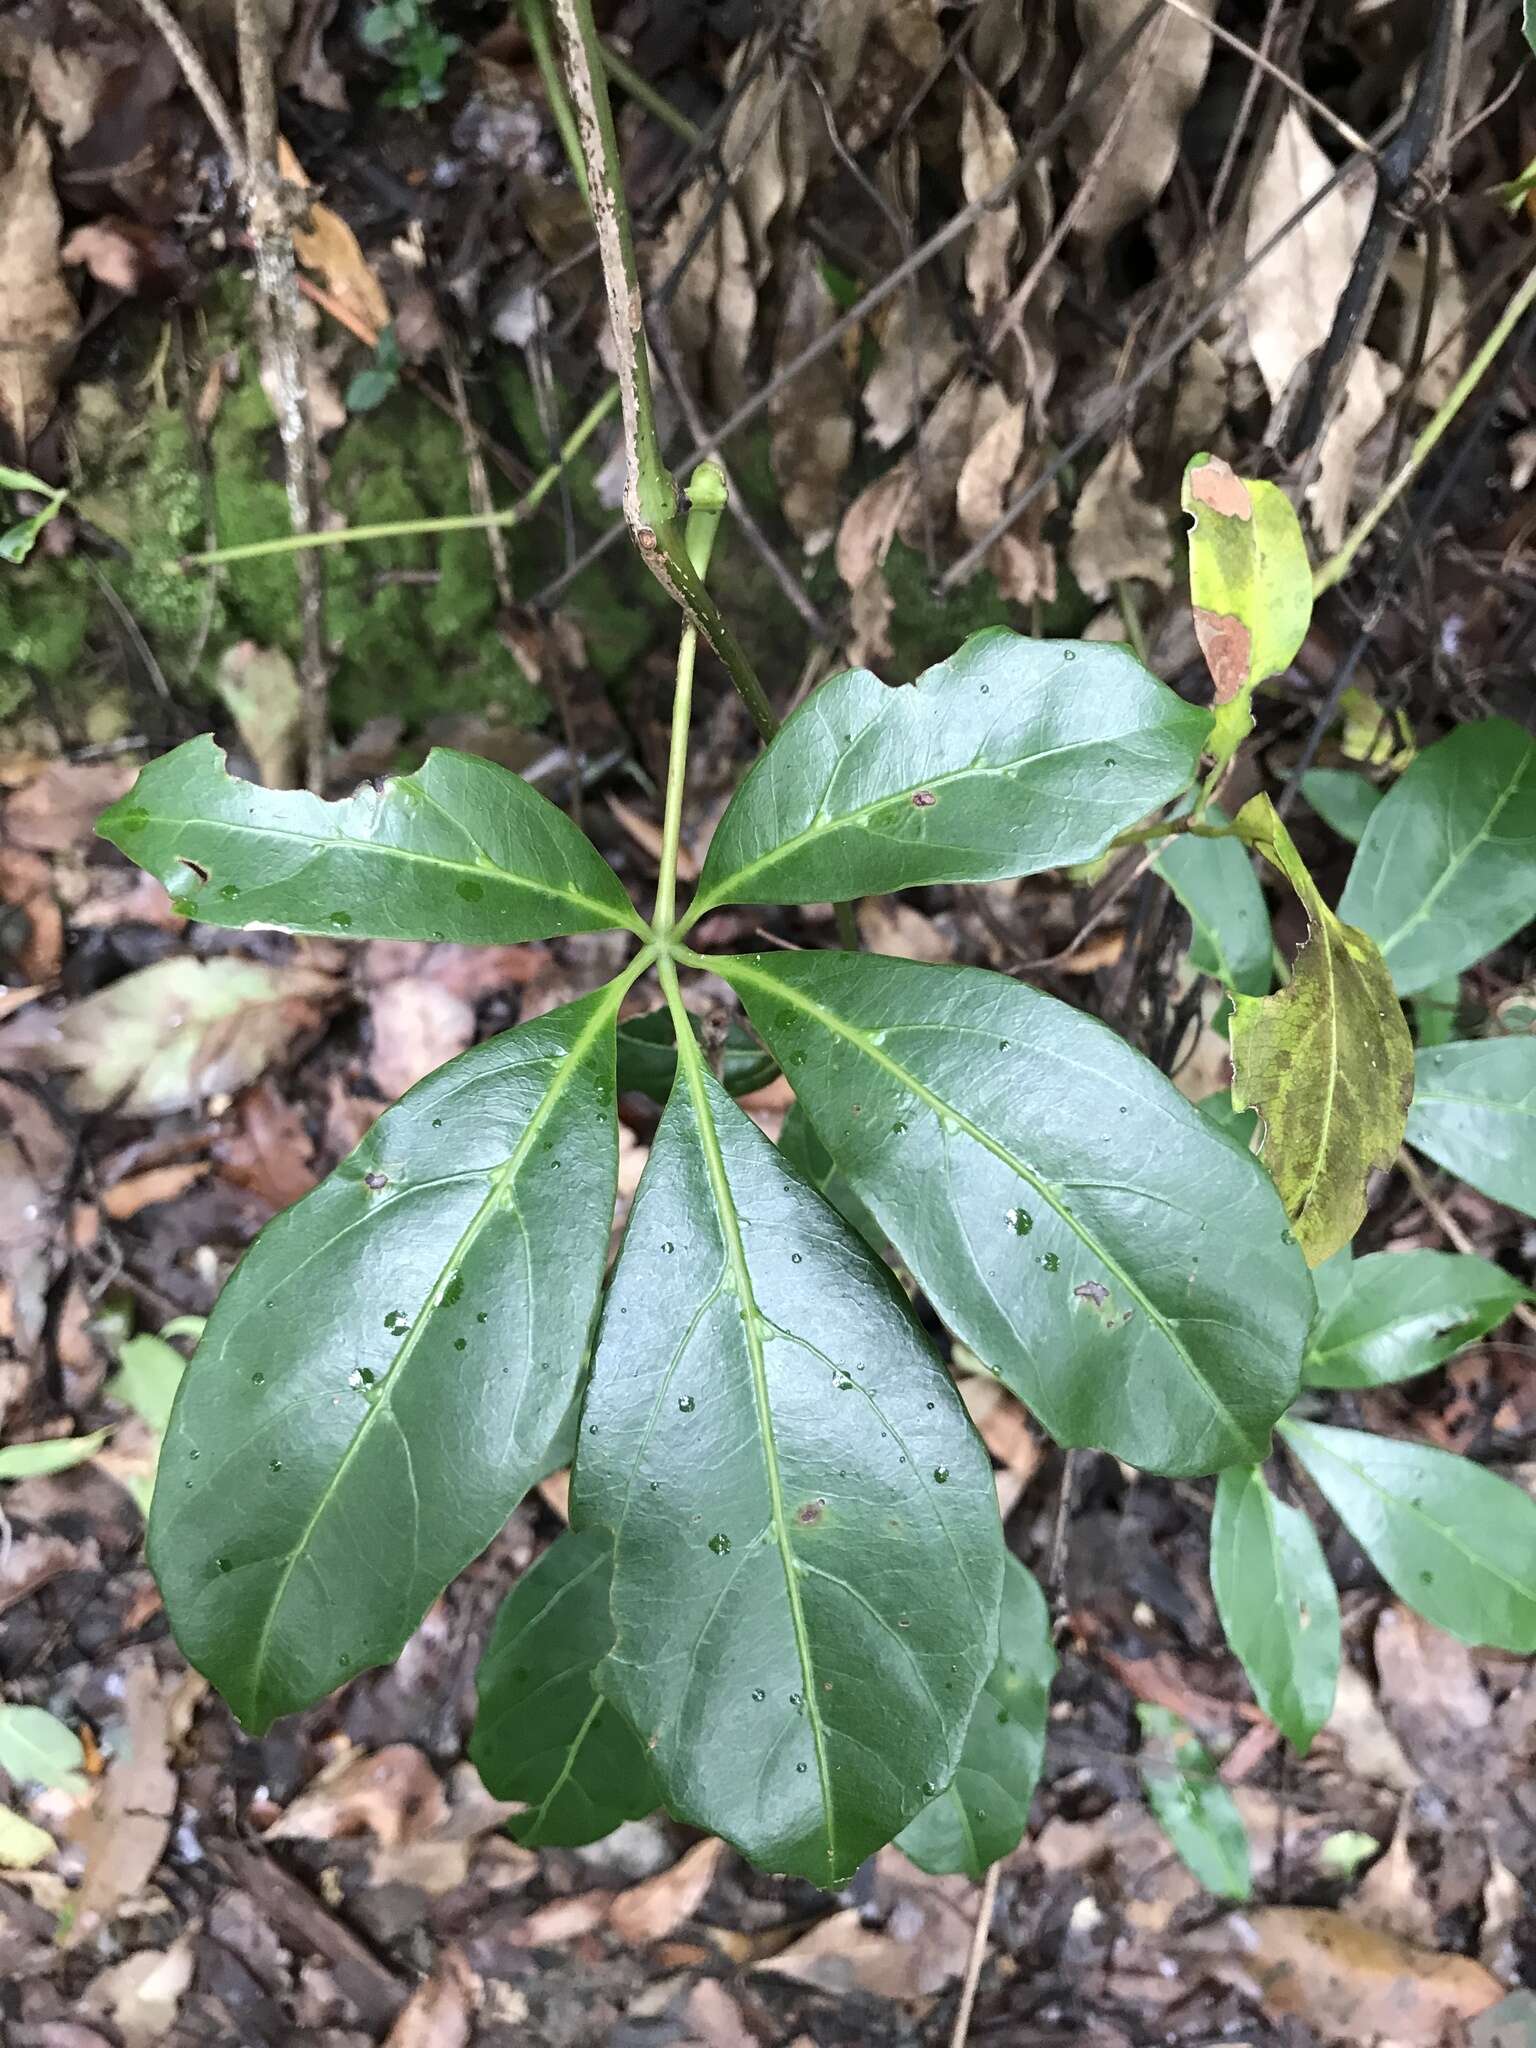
<point x="1260" y="62"/>
<point x="977" y="1956"/>
<point x="1239" y="129"/>
<point x="196" y="73"/>
<point x="480" y="486"/>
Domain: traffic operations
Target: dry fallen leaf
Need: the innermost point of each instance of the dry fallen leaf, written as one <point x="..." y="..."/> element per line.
<point x="126" y="1198"/>
<point x="262" y="692"/>
<point x="440" y="2014"/>
<point x="918" y="349"/>
<point x="1116" y="533"/>
<point x="651" y="1910"/>
<point x="123" y="1833"/>
<point x="393" y="1795"/>
<point x="1349" y="1982"/>
<point x="329" y="246"/>
<point x="887" y="925"/>
<point x="921" y="1948"/>
<point x="142" y="1994"/>
<point x="812" y="421"/>
<point x="417" y="1025"/>
<point x="1371" y="1750"/>
<point x="1163" y="72"/>
<point x="167" y="1036"/>
<point x="1391" y="1896"/>
<point x="58" y="808"/>
<point x="988" y="153"/>
<point x="38" y="318"/>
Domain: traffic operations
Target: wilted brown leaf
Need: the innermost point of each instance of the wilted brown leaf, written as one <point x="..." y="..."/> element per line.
<point x="1371" y="1750"/>
<point x="123" y="1833"/>
<point x="653" y="1909"/>
<point x="142" y="1994"/>
<point x="1162" y="75"/>
<point x="1349" y="1982"/>
<point x="417" y="1025"/>
<point x="988" y="153"/>
<point x="57" y="808"/>
<point x="887" y="925"/>
<point x="262" y="692"/>
<point x="329" y="246"/>
<point x="918" y="349"/>
<point x="393" y="1795"/>
<point x="126" y="1198"/>
<point x="170" y="1035"/>
<point x="812" y="422"/>
<point x="921" y="1948"/>
<point x="38" y="318"/>
<point x="1116" y="533"/>
<point x="441" y="2013"/>
<point x="269" y="1150"/>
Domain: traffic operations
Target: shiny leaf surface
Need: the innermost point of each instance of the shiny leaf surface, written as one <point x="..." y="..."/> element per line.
<point x="389" y="1367"/>
<point x="1342" y="799"/>
<point x="807" y="1557"/>
<point x="1195" y="1807"/>
<point x="1215" y="882"/>
<point x="648" y="1057"/>
<point x="460" y="850"/>
<point x="1399" y="1313"/>
<point x="1474" y="1113"/>
<point x="1327" y="1061"/>
<point x="1446" y="870"/>
<point x="543" y="1733"/>
<point x="983" y="1813"/>
<point x="1124" y="1267"/>
<point x="1277" y="1602"/>
<point x="1012" y="756"/>
<point x="1454" y="1542"/>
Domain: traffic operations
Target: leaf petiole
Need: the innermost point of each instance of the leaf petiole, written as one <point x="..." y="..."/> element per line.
<point x="707" y="495"/>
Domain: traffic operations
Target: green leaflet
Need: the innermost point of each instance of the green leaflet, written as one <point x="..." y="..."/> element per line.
<point x="1215" y="882"/>
<point x="807" y="1557"/>
<point x="1237" y="1124"/>
<point x="1399" y="1313"/>
<point x="1250" y="585"/>
<point x="37" y="1749"/>
<point x="1446" y="870"/>
<point x="148" y="1373"/>
<point x="1196" y="1809"/>
<point x="1343" y="799"/>
<point x="53" y="1454"/>
<point x="1104" y="1247"/>
<point x="1474" y="1113"/>
<point x="387" y="1370"/>
<point x="459" y="850"/>
<point x="1327" y="1061"/>
<point x="1012" y="756"/>
<point x="543" y="1734"/>
<point x="648" y="1057"/>
<point x="813" y="1162"/>
<point x="982" y="1813"/>
<point x="1277" y="1602"/>
<point x="1453" y="1542"/>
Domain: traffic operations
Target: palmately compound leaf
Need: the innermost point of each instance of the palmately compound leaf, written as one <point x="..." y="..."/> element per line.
<point x="1104" y="1247"/>
<point x="543" y="1733"/>
<point x="1326" y="1061"/>
<point x="1446" y="870"/>
<point x="648" y="1057"/>
<point x="981" y="1815"/>
<point x="1229" y="920"/>
<point x="1277" y="1602"/>
<point x="1012" y="756"/>
<point x="1474" y="1113"/>
<point x="813" y="1162"/>
<point x="386" y="1372"/>
<point x="459" y="850"/>
<point x="1455" y="1543"/>
<point x="1250" y="585"/>
<point x="1399" y="1313"/>
<point x="807" y="1557"/>
<point x="1196" y="1809"/>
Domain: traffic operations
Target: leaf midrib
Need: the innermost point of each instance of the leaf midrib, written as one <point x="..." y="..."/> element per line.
<point x="692" y="1063"/>
<point x="999" y="1151"/>
<point x="502" y="1177"/>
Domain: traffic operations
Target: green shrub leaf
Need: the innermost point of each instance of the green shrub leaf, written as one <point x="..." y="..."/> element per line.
<point x="1215" y="882"/>
<point x="37" y="1749"/>
<point x="1196" y="1809"/>
<point x="1250" y="585"/>
<point x="1447" y="868"/>
<point x="1455" y="1543"/>
<point x="1327" y="1061"/>
<point x="813" y="1162"/>
<point x="387" y="1370"/>
<point x="543" y="1733"/>
<point x="983" y="1813"/>
<point x="53" y="1454"/>
<point x="1474" y="1113"/>
<point x="1277" y="1602"/>
<point x="1092" y="1237"/>
<point x="459" y="850"/>
<point x="648" y="1057"/>
<point x="807" y="1557"/>
<point x="1399" y="1313"/>
<point x="1012" y="756"/>
<point x="1342" y="799"/>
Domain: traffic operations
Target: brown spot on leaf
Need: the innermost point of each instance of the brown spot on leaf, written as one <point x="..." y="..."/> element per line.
<point x="1092" y="1290"/>
<point x="1227" y="646"/>
<point x="924" y="798"/>
<point x="812" y="1512"/>
<point x="1217" y="484"/>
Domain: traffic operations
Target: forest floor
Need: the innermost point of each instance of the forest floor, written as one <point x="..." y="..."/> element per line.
<point x="342" y="1880"/>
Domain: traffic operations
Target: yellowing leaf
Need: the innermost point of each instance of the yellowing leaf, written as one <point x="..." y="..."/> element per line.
<point x="329" y="246"/>
<point x="1327" y="1061"/>
<point x="21" y="1844"/>
<point x="1250" y="585"/>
